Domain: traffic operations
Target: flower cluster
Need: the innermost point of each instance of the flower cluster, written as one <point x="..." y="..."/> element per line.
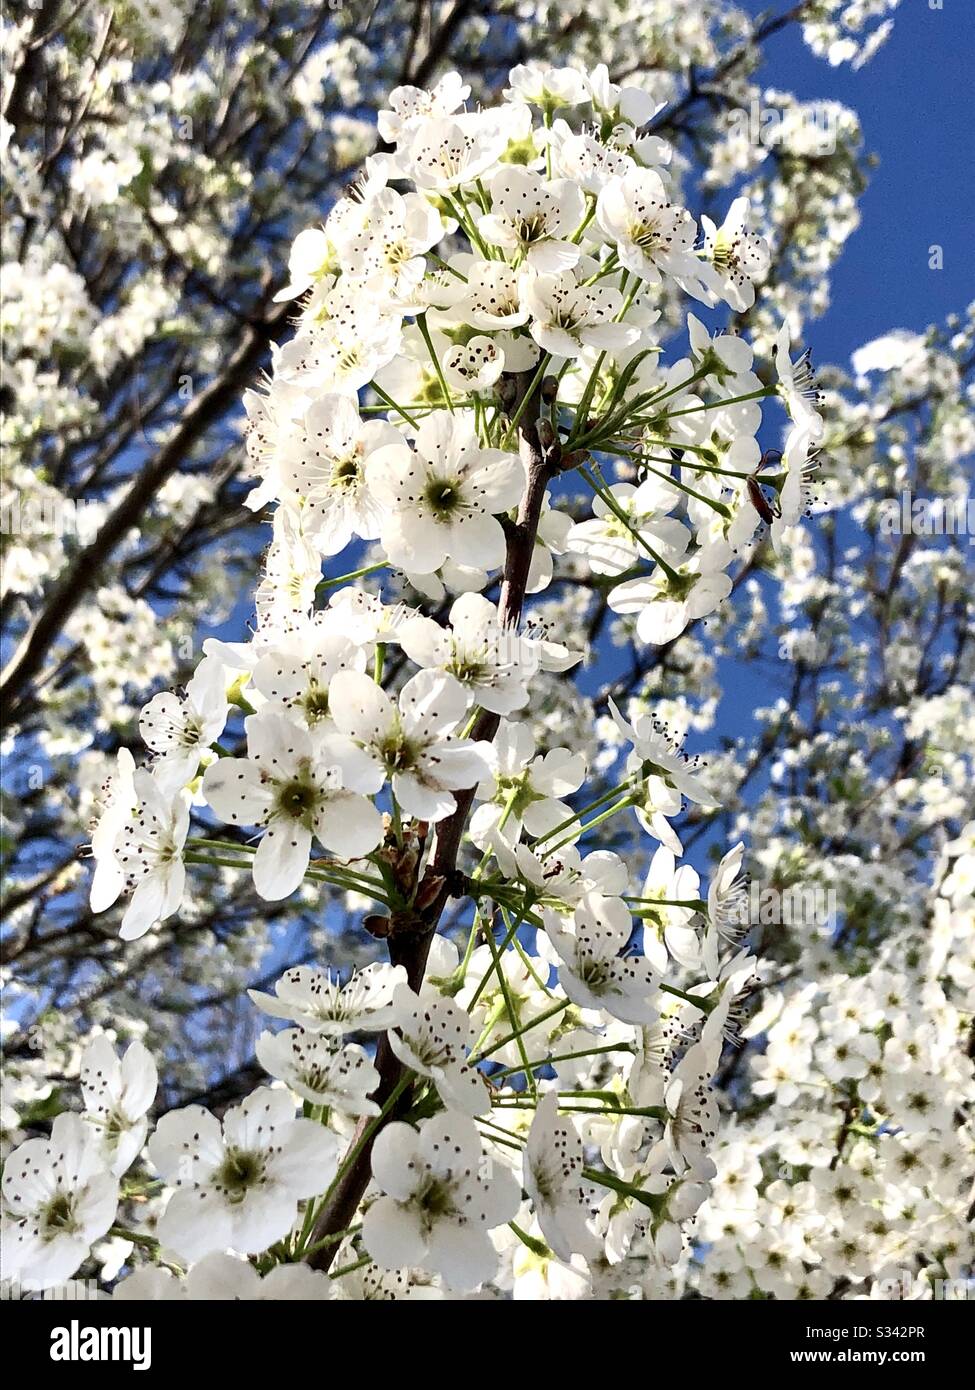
<point x="524" y="1097"/>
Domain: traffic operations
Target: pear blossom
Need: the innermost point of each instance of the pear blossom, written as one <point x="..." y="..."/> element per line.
<point x="149" y="851"/>
<point x="226" y="1278"/>
<point x="411" y="741"/>
<point x="342" y="347"/>
<point x="549" y="87"/>
<point x="692" y="1114"/>
<point x="657" y="749"/>
<point x="630" y="104"/>
<point x="389" y="242"/>
<point x="440" y="152"/>
<point x="669" y="930"/>
<point x="553" y="1163"/>
<point x="442" y="497"/>
<point x="567" y="317"/>
<point x="799" y="462"/>
<point x="651" y="233"/>
<point x="118" y="1094"/>
<point x="524" y="791"/>
<point x="738" y="257"/>
<point x="311" y="261"/>
<point x="58" y="1199"/>
<point x="665" y="604"/>
<point x="612" y="546"/>
<point x="493" y="664"/>
<point x="593" y="972"/>
<point x="798" y="387"/>
<point x="320" y="1003"/>
<point x="582" y="157"/>
<point x="408" y="106"/>
<point x="320" y="1070"/>
<point x="180" y="731"/>
<point x="116" y="801"/>
<point x="323" y="466"/>
<point x="474" y="366"/>
<point x="563" y="874"/>
<point x="443" y="1197"/>
<point x="432" y="1037"/>
<point x="490" y="297"/>
<point x="294" y="676"/>
<point x="238" y="1183"/>
<point x="286" y="786"/>
<point x="533" y="217"/>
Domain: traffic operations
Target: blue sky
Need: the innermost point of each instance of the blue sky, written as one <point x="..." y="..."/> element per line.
<point x="916" y="103"/>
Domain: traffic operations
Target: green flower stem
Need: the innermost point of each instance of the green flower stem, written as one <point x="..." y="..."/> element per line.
<point x="719" y="405"/>
<point x="718" y="507"/>
<point x="558" y="1008"/>
<point x="349" y="1269"/>
<point x="397" y="818"/>
<point x="526" y="961"/>
<point x="564" y="1057"/>
<point x="580" y="231"/>
<point x="610" y="501"/>
<point x="653" y="1112"/>
<point x="215" y="861"/>
<point x="597" y="820"/>
<point x="610" y="265"/>
<point x="209" y="843"/>
<point x="353" y="574"/>
<point x="537" y="1247"/>
<point x="302" y="1250"/>
<point x="590" y="806"/>
<point x="352" y="1156"/>
<point x="316" y="868"/>
<point x="410" y="419"/>
<point x="349" y="882"/>
<point x="662" y="394"/>
<point x="460" y="974"/>
<point x="236" y="697"/>
<point x="698" y="904"/>
<point x="610" y="1180"/>
<point x="502" y="821"/>
<point x="509" y="937"/>
<point x="509" y="1141"/>
<point x="698" y="1000"/>
<point x="582" y="410"/>
<point x="451" y="270"/>
<point x="136" y="1237"/>
<point x="529" y="395"/>
<point x="510" y="1007"/>
<point x="421" y="323"/>
<point x="463" y="217"/>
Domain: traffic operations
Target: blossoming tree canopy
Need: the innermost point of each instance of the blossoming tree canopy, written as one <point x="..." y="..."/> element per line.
<point x="521" y="1085"/>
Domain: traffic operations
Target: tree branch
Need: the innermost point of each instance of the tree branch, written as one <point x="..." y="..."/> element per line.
<point x="412" y="932"/>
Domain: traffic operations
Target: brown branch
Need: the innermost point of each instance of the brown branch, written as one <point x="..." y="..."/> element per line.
<point x="411" y="933"/>
<point x="80" y="576"/>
